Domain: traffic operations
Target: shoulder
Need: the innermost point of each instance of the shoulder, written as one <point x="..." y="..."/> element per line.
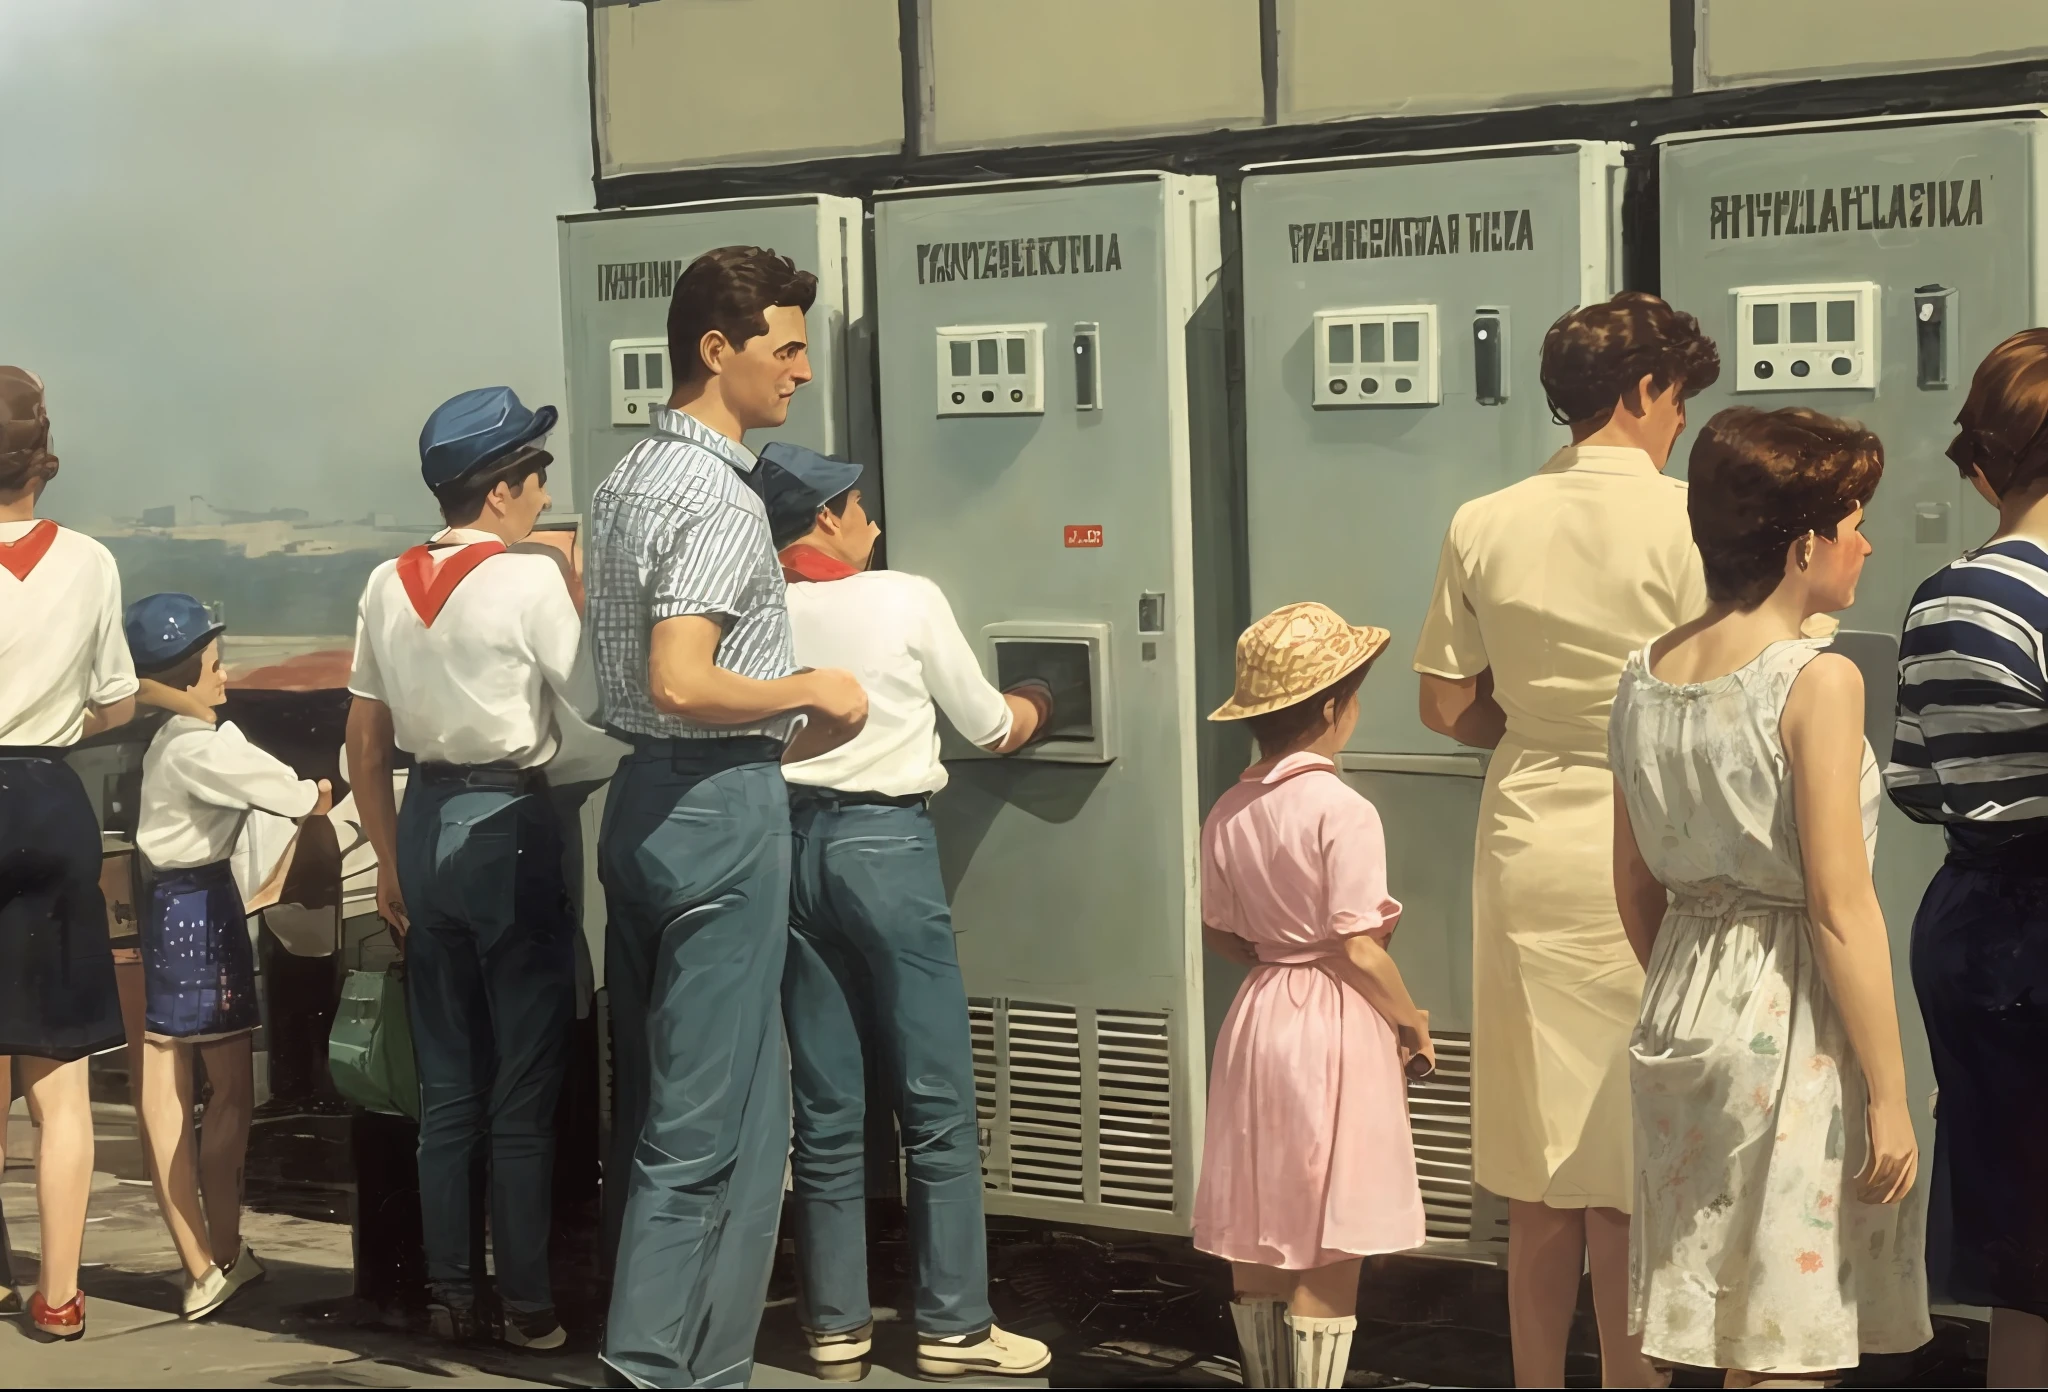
<point x="87" y="552"/>
<point x="1827" y="684"/>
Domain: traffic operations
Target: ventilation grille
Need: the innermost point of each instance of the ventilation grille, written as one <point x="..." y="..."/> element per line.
<point x="1134" y="1109"/>
<point x="1045" y="1100"/>
<point x="1440" y="1114"/>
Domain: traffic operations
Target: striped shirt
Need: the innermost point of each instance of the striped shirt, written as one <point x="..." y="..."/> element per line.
<point x="675" y="531"/>
<point x="1971" y="747"/>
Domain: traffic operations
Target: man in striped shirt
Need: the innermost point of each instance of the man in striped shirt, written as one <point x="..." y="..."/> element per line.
<point x="695" y="669"/>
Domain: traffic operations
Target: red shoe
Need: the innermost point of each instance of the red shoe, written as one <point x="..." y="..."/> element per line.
<point x="66" y="1321"/>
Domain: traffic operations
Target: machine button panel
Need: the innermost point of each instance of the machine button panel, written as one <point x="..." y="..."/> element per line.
<point x="1806" y="337"/>
<point x="991" y="370"/>
<point x="640" y="379"/>
<point x="1376" y="355"/>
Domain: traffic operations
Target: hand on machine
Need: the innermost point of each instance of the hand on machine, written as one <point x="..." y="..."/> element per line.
<point x="1035" y="695"/>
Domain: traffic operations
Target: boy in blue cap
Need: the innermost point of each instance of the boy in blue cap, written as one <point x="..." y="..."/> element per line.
<point x="465" y="658"/>
<point x="872" y="967"/>
<point x="202" y="781"/>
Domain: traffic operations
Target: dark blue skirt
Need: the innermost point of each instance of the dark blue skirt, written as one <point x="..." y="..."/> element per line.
<point x="1980" y="969"/>
<point x="57" y="994"/>
<point x="199" y="975"/>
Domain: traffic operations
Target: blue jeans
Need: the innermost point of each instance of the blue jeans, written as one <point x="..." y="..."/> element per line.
<point x="872" y="967"/>
<point x="490" y="991"/>
<point x="694" y="857"/>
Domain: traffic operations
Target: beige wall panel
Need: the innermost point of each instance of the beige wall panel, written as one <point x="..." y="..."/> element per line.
<point x="706" y="82"/>
<point x="1049" y="70"/>
<point x="1342" y="58"/>
<point x="1750" y="41"/>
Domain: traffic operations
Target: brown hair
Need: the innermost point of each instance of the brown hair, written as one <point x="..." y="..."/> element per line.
<point x="2004" y="422"/>
<point x="1275" y="730"/>
<point x="462" y="501"/>
<point x="1760" y="480"/>
<point x="25" y="456"/>
<point x="1597" y="354"/>
<point x="730" y="289"/>
<point x="184" y="674"/>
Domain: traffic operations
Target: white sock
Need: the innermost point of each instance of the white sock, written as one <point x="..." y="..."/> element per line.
<point x="1321" y="1351"/>
<point x="1261" y="1336"/>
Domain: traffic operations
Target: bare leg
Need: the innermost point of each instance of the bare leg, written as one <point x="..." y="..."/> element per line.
<point x="1326" y="1292"/>
<point x="1737" y="1377"/>
<point x="1546" y="1257"/>
<point x="134" y="1017"/>
<point x="167" y="1128"/>
<point x="58" y="1092"/>
<point x="224" y="1144"/>
<point x="1261" y="1282"/>
<point x="2019" y="1350"/>
<point x="1621" y="1353"/>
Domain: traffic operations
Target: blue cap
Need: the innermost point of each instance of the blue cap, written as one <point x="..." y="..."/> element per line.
<point x="475" y="428"/>
<point x="794" y="483"/>
<point x="165" y="629"/>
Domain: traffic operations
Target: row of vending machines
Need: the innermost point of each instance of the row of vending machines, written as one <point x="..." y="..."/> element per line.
<point x="1112" y="441"/>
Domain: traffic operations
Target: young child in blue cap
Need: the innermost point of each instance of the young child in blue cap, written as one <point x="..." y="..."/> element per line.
<point x="202" y="781"/>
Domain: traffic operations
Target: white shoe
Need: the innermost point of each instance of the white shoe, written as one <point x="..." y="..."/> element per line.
<point x="217" y="1287"/>
<point x="845" y="1346"/>
<point x="995" y="1354"/>
<point x="1321" y="1349"/>
<point x="541" y="1331"/>
<point x="1262" y="1341"/>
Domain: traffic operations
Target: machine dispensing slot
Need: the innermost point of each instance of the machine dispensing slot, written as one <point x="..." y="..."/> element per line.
<point x="1490" y="356"/>
<point x="1087" y="367"/>
<point x="1931" y="306"/>
<point x="1072" y="659"/>
<point x="1064" y="667"/>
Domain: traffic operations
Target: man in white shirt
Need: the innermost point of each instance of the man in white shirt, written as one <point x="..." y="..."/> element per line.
<point x="465" y="658"/>
<point x="871" y="935"/>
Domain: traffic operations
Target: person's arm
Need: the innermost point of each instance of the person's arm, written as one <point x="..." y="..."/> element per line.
<point x="102" y="718"/>
<point x="370" y="744"/>
<point x="1822" y="731"/>
<point x="1229" y="946"/>
<point x="1368" y="968"/>
<point x="1638" y="894"/>
<point x="1001" y="722"/>
<point x="111" y="701"/>
<point x="1464" y="709"/>
<point x="684" y="679"/>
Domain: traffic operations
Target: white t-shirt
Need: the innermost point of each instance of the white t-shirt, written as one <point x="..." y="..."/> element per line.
<point x="492" y="679"/>
<point x="897" y="634"/>
<point x="61" y="644"/>
<point x="199" y="784"/>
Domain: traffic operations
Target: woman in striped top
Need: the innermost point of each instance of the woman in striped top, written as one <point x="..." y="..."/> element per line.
<point x="1971" y="754"/>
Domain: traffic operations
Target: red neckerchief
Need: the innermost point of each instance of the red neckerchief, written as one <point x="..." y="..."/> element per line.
<point x="20" y="555"/>
<point x="428" y="588"/>
<point x="801" y="562"/>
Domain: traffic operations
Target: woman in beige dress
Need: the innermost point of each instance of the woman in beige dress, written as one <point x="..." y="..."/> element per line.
<point x="1543" y="590"/>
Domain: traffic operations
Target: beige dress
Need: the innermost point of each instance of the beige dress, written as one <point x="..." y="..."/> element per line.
<point x="1552" y="582"/>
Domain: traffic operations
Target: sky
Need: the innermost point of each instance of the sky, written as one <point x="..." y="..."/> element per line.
<point x="250" y="244"/>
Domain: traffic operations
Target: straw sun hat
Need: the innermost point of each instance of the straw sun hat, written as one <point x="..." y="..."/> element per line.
<point x="1293" y="653"/>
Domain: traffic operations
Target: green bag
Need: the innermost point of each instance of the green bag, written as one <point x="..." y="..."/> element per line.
<point x="369" y="1049"/>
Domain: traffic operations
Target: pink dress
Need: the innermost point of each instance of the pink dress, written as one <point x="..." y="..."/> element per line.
<point x="1308" y="1158"/>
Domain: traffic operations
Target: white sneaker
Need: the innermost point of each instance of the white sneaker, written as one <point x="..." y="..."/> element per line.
<point x="995" y="1354"/>
<point x="217" y="1287"/>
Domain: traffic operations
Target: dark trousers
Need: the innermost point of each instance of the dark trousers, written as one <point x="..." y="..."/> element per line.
<point x="873" y="972"/>
<point x="694" y="857"/>
<point x="490" y="991"/>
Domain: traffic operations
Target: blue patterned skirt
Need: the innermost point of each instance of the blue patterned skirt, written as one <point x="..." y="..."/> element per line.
<point x="199" y="974"/>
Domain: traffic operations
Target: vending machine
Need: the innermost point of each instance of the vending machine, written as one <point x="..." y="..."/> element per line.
<point x="1395" y="308"/>
<point x="1863" y="269"/>
<point x="1053" y="416"/>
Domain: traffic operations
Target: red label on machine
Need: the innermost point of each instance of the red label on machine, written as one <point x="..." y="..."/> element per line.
<point x="1083" y="536"/>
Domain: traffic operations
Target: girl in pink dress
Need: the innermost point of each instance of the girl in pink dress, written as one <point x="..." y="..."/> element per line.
<point x="1309" y="1165"/>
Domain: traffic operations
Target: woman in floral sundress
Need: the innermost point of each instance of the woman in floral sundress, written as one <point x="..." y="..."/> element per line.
<point x="1777" y="1232"/>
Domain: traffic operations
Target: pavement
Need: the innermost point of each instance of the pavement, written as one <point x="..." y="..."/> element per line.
<point x="1118" y="1312"/>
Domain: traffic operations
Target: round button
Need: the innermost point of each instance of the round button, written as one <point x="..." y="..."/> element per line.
<point x="959" y="398"/>
<point x="632" y="408"/>
<point x="1763" y="369"/>
<point x="1369" y="385"/>
<point x="1016" y="395"/>
<point x="988" y="396"/>
<point x="1843" y="367"/>
<point x="1801" y="368"/>
<point x="1402" y="384"/>
<point x="1337" y="385"/>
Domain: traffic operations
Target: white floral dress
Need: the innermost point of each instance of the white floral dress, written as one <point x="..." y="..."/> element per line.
<point x="1749" y="1248"/>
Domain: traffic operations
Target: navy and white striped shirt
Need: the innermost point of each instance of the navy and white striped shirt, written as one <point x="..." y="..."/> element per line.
<point x="676" y="530"/>
<point x="1971" y="747"/>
